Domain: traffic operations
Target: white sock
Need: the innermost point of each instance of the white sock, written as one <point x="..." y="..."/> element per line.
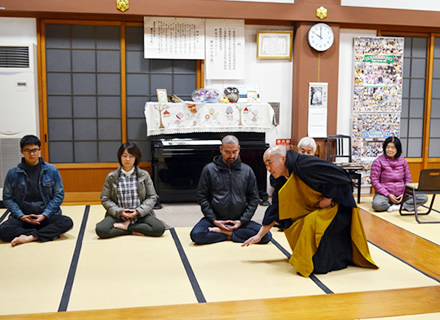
<point x="393" y="207"/>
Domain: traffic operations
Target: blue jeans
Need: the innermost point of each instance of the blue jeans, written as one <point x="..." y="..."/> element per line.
<point x="201" y="235"/>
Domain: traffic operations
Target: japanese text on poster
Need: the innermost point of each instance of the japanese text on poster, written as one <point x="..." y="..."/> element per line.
<point x="225" y="49"/>
<point x="317" y="126"/>
<point x="174" y="38"/>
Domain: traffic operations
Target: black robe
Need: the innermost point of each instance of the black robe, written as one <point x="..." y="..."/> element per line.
<point x="335" y="249"/>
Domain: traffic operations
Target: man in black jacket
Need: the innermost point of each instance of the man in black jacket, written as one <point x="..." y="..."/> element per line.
<point x="228" y="196"/>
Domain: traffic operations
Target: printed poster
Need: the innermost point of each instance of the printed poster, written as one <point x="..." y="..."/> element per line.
<point x="174" y="38"/>
<point x="377" y="98"/>
<point x="225" y="49"/>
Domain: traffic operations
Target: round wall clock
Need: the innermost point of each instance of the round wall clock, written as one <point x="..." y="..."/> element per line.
<point x="320" y="37"/>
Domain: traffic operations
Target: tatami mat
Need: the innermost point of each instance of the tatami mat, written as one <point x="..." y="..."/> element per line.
<point x="133" y="271"/>
<point x="226" y="271"/>
<point x="128" y="271"/>
<point x="33" y="275"/>
<point x="409" y="223"/>
<point x="392" y="273"/>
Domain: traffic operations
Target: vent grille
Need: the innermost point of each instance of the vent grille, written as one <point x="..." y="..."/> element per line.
<point x="14" y="57"/>
<point x="9" y="156"/>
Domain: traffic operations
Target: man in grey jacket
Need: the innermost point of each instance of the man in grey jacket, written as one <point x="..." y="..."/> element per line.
<point x="228" y="196"/>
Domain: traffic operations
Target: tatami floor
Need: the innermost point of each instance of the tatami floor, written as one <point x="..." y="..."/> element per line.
<point x="82" y="277"/>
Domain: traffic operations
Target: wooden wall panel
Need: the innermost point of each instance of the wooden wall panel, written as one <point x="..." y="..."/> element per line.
<point x="312" y="66"/>
<point x="301" y="10"/>
<point x="83" y="182"/>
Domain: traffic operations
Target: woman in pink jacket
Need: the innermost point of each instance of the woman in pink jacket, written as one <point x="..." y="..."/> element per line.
<point x="389" y="175"/>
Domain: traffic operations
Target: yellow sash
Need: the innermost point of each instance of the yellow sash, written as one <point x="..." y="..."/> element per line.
<point x="296" y="199"/>
<point x="299" y="202"/>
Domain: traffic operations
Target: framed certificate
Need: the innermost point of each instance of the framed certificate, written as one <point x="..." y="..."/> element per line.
<point x="274" y="44"/>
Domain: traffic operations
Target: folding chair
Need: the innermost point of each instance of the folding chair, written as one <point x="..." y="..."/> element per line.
<point x="429" y="183"/>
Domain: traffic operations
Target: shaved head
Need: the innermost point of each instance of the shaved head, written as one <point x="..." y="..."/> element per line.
<point x="230" y="149"/>
<point x="274" y="159"/>
<point x="230" y="139"/>
<point x="275" y="151"/>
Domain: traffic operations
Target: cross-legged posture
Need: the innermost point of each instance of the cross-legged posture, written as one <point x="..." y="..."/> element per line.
<point x="228" y="196"/>
<point x="129" y="196"/>
<point x="33" y="193"/>
<point x="313" y="201"/>
<point x="389" y="175"/>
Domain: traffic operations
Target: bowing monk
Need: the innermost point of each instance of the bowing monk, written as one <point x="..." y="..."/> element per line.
<point x="314" y="204"/>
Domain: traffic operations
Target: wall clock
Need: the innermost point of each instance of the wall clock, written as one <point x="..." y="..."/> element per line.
<point x="320" y="37"/>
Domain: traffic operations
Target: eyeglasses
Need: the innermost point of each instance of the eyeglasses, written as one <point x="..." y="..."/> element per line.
<point x="31" y="151"/>
<point x="129" y="157"/>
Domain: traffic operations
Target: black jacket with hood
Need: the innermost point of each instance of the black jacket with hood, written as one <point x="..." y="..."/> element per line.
<point x="228" y="193"/>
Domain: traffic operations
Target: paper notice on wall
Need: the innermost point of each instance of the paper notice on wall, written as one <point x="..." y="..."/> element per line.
<point x="225" y="49"/>
<point x="317" y="127"/>
<point x="174" y="38"/>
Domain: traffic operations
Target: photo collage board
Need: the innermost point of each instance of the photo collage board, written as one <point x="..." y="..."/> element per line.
<point x="377" y="97"/>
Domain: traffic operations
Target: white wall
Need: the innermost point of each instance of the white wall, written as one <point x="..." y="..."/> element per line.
<point x="271" y="78"/>
<point x="18" y="30"/>
<point x="346" y="77"/>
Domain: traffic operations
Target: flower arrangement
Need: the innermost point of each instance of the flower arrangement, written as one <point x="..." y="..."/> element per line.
<point x="206" y="95"/>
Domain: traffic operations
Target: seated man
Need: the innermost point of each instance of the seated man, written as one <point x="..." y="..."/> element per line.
<point x="317" y="210"/>
<point x="33" y="192"/>
<point x="307" y="146"/>
<point x="228" y="197"/>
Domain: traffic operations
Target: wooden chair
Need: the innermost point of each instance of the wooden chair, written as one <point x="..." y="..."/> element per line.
<point x="429" y="183"/>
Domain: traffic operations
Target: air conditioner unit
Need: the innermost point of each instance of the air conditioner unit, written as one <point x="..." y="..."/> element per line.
<point x="18" y="102"/>
<point x="18" y="91"/>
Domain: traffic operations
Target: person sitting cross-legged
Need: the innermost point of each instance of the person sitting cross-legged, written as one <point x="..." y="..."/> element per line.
<point x="228" y="196"/>
<point x="33" y="192"/>
<point x="129" y="196"/>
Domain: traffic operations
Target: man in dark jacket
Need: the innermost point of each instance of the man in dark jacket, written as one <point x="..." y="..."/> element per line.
<point x="228" y="196"/>
<point x="33" y="193"/>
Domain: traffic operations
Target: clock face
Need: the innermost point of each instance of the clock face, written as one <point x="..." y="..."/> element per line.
<point x="320" y="37"/>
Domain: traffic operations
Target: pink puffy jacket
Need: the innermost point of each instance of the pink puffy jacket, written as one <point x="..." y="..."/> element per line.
<point x="389" y="176"/>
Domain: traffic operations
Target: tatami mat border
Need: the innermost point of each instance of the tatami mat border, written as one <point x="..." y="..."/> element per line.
<point x="312" y="277"/>
<point x="64" y="303"/>
<point x="187" y="265"/>
<point x="281" y="248"/>
<point x="5" y="214"/>
<point x="408" y="264"/>
<point x="403" y="227"/>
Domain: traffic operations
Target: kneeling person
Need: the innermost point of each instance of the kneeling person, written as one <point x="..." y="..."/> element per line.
<point x="228" y="196"/>
<point x="33" y="193"/>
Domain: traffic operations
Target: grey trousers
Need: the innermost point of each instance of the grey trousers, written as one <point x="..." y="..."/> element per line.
<point x="148" y="225"/>
<point x="382" y="203"/>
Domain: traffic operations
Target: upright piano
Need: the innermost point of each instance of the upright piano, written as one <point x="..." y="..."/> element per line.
<point x="178" y="161"/>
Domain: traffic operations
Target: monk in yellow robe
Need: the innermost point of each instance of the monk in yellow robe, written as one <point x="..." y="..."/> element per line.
<point x="313" y="202"/>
